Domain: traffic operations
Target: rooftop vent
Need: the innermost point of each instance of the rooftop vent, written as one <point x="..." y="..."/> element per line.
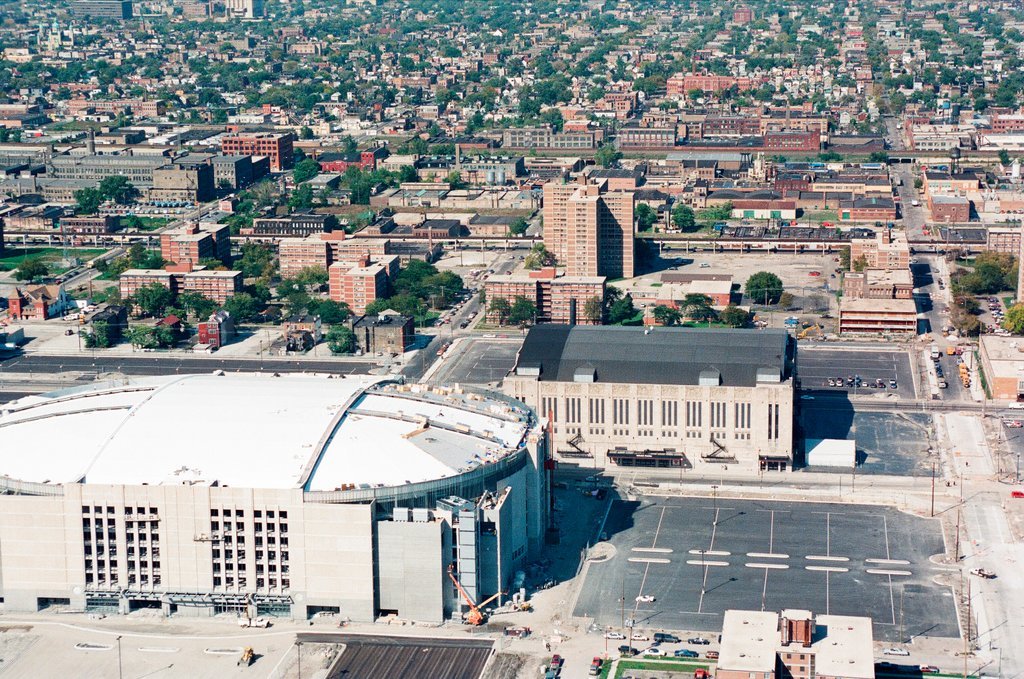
<point x="710" y="378"/>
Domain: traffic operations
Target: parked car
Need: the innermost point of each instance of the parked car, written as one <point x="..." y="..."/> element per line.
<point x="699" y="641"/>
<point x="614" y="635"/>
<point x="662" y="638"/>
<point x="928" y="669"/>
<point x="639" y="636"/>
<point x="1017" y="494"/>
<point x="686" y="653"/>
<point x="645" y="599"/>
<point x="982" y="573"/>
<point x="895" y="651"/>
<point x="711" y="655"/>
<point x="626" y="650"/>
<point x="654" y="652"/>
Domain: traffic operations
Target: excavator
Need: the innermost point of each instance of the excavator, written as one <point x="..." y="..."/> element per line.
<point x="475" y="616"/>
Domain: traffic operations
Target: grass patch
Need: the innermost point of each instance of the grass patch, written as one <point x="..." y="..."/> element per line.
<point x="13" y="257"/>
<point x="658" y="665"/>
<point x="1009" y="302"/>
<point x="637" y="319"/>
<point x="137" y="223"/>
<point x="822" y="216"/>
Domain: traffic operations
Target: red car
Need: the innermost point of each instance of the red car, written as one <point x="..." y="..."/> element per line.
<point x="1019" y="494"/>
<point x="814" y="274"/>
<point x="711" y="655"/>
<point x="557" y="661"/>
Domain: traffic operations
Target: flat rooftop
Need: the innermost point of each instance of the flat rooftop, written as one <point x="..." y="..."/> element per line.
<point x="662" y="355"/>
<point x="258" y="430"/>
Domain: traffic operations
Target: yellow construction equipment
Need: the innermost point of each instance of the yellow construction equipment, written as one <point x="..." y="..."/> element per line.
<point x="809" y="330"/>
<point x="247" y="657"/>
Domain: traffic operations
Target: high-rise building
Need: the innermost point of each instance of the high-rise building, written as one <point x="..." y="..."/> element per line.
<point x="247" y="9"/>
<point x="276" y="147"/>
<point x="589" y="227"/>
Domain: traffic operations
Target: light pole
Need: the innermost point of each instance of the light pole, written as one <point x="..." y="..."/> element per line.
<point x="298" y="656"/>
<point x="119" y="674"/>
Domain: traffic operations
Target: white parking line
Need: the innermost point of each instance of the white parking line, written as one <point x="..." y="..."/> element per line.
<point x="827" y="558"/>
<point x="893" y="562"/>
<point x="656" y="550"/>
<point x="694" y="562"/>
<point x="766" y="555"/>
<point x="827" y="569"/>
<point x="646" y="559"/>
<point x="710" y="552"/>
<point x="886" y="571"/>
<point x="773" y="566"/>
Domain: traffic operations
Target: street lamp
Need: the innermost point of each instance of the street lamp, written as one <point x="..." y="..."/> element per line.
<point x="119" y="674"/>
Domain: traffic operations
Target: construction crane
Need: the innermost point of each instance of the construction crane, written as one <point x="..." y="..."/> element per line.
<point x="475" y="615"/>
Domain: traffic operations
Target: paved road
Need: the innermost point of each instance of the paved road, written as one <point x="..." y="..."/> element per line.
<point x="914" y="218"/>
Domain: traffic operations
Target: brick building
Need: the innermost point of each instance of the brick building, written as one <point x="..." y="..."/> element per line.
<point x="877" y="316"/>
<point x="216" y="285"/>
<point x="277" y="147"/>
<point x="558" y="298"/>
<point x="950" y="209"/>
<point x="873" y="209"/>
<point x="217" y="330"/>
<point x="38" y="302"/>
<point x="387" y="332"/>
<point x="681" y="83"/>
<point x="884" y="251"/>
<point x="197" y="241"/>
<point x="361" y="282"/>
<point x="589" y="227"/>
<point x="298" y="225"/>
<point x="90" y="225"/>
<point x="878" y="284"/>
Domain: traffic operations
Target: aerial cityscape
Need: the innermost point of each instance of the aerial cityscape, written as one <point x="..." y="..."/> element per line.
<point x="631" y="339"/>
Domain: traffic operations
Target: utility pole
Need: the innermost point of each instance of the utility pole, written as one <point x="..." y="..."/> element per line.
<point x="956" y="556"/>
<point x="119" y="673"/>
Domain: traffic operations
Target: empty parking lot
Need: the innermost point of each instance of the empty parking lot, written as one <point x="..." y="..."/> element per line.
<point x="366" y="657"/>
<point x="701" y="556"/>
<point x="478" y="360"/>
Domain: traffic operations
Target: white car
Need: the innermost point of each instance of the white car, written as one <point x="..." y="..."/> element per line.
<point x="895" y="651"/>
<point x="614" y="635"/>
<point x="645" y="599"/>
<point x="655" y="652"/>
<point x="640" y="636"/>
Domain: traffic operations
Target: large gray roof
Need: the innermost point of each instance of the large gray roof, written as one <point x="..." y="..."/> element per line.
<point x="662" y="355"/>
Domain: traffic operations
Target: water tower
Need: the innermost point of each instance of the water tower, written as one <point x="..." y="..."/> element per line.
<point x="954" y="160"/>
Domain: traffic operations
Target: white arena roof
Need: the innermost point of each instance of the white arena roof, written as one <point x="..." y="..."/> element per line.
<point x="317" y="432"/>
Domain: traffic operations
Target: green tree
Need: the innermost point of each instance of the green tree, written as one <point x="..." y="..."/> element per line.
<point x="786" y="300"/>
<point x="341" y="339"/>
<point x="519" y="226"/>
<point x="1004" y="157"/>
<point x="764" y="287"/>
<point x="620" y="306"/>
<point x="734" y="317"/>
<point x="1014" y="319"/>
<point x="305" y="133"/>
<point x="716" y="213"/>
<point x="141" y="337"/>
<point x="607" y="156"/>
<point x="844" y="257"/>
<point x="118" y="189"/>
<point x="522" y="312"/>
<point x="500" y="307"/>
<point x="879" y="157"/>
<point x="697" y="306"/>
<point x="196" y="304"/>
<point x="301" y="198"/>
<point x="152" y="299"/>
<point x="666" y="315"/>
<point x="860" y="264"/>
<point x="31" y="268"/>
<point x="593" y="310"/>
<point x="683" y="217"/>
<point x="329" y="311"/>
<point x="99" y="337"/>
<point x="305" y="170"/>
<point x="539" y="257"/>
<point x="88" y="200"/>
<point x="454" y="180"/>
<point x="257" y="260"/>
<point x="242" y="306"/>
<point x="646" y="216"/>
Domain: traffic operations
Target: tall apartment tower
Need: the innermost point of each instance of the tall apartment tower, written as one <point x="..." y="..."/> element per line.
<point x="588" y="226"/>
<point x="248" y="9"/>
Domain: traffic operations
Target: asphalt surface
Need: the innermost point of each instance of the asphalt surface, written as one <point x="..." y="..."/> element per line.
<point x="816" y="365"/>
<point x="371" y="657"/>
<point x="830" y="559"/>
<point x="480" y="360"/>
<point x="892" y="443"/>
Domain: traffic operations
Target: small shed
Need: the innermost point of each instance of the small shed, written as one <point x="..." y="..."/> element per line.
<point x="831" y="453"/>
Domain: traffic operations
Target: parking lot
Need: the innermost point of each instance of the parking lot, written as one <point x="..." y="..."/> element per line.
<point x="479" y="360"/>
<point x="887" y="442"/>
<point x="701" y="556"/>
<point x="817" y="365"/>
